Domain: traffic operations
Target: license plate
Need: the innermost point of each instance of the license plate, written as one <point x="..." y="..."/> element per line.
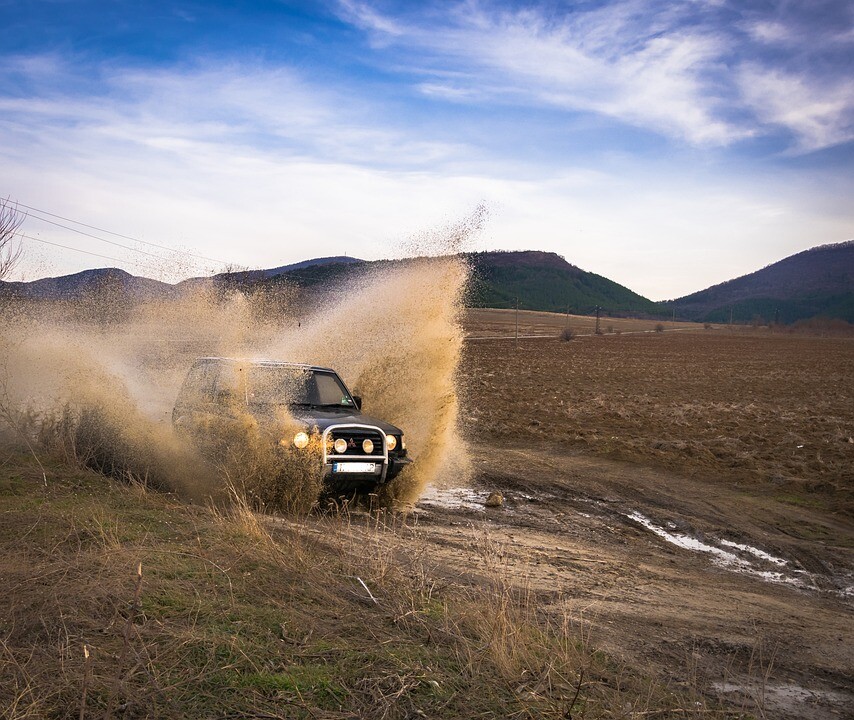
<point x="354" y="467"/>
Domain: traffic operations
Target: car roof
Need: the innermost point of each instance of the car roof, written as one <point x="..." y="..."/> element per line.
<point x="261" y="363"/>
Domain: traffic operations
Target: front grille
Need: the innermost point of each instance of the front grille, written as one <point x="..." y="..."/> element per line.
<point x="354" y="438"/>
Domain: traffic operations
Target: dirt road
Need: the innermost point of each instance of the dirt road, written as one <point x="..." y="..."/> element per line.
<point x="705" y="583"/>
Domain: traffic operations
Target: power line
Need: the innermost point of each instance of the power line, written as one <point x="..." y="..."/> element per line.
<point x="85" y="252"/>
<point x="111" y="242"/>
<point x="136" y="264"/>
<point x="262" y="273"/>
<point x="115" y="234"/>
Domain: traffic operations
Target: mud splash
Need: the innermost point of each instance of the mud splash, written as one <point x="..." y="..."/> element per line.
<point x="396" y="340"/>
<point x="393" y="334"/>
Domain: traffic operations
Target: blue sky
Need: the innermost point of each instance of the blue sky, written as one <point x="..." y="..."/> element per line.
<point x="666" y="145"/>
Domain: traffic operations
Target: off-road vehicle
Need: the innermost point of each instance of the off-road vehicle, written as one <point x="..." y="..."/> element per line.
<point x="354" y="451"/>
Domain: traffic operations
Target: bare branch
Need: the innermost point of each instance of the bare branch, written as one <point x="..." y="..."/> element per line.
<point x="10" y="250"/>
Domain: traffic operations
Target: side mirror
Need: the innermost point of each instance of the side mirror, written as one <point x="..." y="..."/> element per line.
<point x="358" y="400"/>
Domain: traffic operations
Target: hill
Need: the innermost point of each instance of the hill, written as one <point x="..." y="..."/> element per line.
<point x="816" y="282"/>
<point x="80" y="285"/>
<point x="244" y="276"/>
<point x="539" y="280"/>
<point x="545" y="281"/>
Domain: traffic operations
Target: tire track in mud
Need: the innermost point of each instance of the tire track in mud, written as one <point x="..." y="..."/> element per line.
<point x="644" y="503"/>
<point x="567" y="532"/>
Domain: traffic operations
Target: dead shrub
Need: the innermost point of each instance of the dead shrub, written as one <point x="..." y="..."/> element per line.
<point x="250" y="459"/>
<point x="567" y="334"/>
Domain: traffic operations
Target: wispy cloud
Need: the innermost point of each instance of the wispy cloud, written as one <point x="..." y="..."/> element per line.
<point x="364" y="16"/>
<point x="269" y="107"/>
<point x="680" y="70"/>
<point x="818" y="114"/>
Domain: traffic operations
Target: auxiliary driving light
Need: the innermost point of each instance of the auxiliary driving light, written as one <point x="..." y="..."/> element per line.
<point x="391" y="442"/>
<point x="301" y="440"/>
<point x="340" y="446"/>
<point x="368" y="446"/>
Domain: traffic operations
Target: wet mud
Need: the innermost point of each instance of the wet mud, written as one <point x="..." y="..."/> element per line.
<point x="699" y="581"/>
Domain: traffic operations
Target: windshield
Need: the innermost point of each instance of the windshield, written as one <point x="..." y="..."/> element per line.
<point x="281" y="385"/>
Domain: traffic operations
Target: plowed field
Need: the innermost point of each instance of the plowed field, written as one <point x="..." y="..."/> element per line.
<point x="686" y="495"/>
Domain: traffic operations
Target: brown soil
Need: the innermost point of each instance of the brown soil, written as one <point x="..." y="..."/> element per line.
<point x="713" y="437"/>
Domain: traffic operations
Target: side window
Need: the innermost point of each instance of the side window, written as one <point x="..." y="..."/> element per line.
<point x="329" y="390"/>
<point x="198" y="386"/>
<point x="230" y="384"/>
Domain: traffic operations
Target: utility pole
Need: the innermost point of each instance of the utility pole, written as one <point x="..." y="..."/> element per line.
<point x="598" y="331"/>
<point x="517" y="320"/>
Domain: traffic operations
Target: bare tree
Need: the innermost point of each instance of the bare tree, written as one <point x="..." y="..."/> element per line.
<point x="10" y="249"/>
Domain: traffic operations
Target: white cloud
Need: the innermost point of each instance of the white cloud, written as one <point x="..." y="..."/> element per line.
<point x="363" y="15"/>
<point x="259" y="106"/>
<point x="674" y="69"/>
<point x="446" y="91"/>
<point x="818" y="114"/>
<point x="619" y="60"/>
<point x="772" y="32"/>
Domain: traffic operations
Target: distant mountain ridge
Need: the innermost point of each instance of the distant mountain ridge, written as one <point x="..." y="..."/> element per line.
<point x="79" y="285"/>
<point x="815" y="282"/>
<point x="253" y="275"/>
<point x="134" y="287"/>
<point x="538" y="280"/>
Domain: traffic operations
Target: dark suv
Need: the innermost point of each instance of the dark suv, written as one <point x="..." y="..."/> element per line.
<point x="355" y="451"/>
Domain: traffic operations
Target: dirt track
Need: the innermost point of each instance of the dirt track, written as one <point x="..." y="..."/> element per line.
<point x="658" y="489"/>
<point x="771" y="647"/>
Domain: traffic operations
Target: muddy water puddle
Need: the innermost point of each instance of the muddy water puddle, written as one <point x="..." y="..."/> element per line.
<point x="469" y="499"/>
<point x="452" y="498"/>
<point x="788" y="698"/>
<point x="738" y="557"/>
<point x="745" y="559"/>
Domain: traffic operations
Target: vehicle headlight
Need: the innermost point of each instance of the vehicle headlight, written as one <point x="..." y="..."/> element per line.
<point x="340" y="446"/>
<point x="368" y="446"/>
<point x="301" y="440"/>
<point x="391" y="442"/>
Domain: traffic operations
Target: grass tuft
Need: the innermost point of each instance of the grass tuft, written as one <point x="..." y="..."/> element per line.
<point x="126" y="604"/>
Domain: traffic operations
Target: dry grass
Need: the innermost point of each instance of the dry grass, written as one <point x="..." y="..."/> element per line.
<point x="118" y="602"/>
<point x="230" y="454"/>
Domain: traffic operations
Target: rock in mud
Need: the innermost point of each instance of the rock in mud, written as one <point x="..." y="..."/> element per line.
<point x="495" y="499"/>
